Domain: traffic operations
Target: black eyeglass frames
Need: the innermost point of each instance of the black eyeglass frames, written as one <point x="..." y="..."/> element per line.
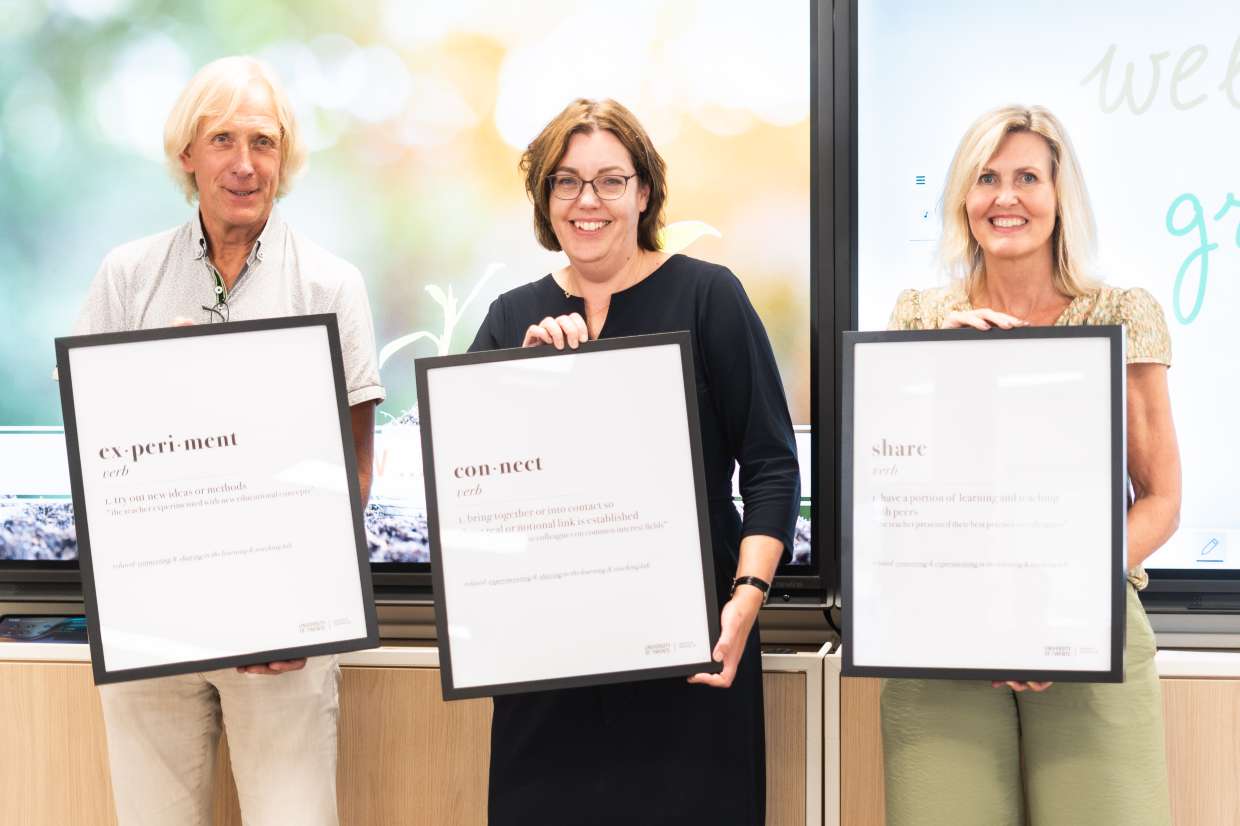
<point x="607" y="187"/>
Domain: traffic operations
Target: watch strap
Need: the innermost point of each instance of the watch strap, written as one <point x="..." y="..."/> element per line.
<point x="761" y="584"/>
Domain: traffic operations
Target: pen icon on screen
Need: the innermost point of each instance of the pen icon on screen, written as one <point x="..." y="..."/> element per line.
<point x="1207" y="551"/>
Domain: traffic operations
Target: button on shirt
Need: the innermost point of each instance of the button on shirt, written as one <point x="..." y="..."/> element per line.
<point x="151" y="282"/>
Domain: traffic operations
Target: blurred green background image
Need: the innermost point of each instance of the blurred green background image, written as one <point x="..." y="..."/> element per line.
<point x="416" y="113"/>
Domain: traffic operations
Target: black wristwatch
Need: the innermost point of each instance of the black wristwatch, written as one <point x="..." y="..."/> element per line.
<point x="761" y="584"/>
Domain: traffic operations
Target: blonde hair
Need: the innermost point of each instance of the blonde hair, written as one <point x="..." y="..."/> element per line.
<point x="1073" y="238"/>
<point x="213" y="94"/>
<point x="583" y="116"/>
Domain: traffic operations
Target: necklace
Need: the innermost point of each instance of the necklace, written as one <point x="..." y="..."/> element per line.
<point x="593" y="315"/>
<point x="571" y="290"/>
<point x="569" y="294"/>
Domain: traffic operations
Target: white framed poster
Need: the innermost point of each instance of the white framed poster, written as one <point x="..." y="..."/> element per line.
<point x="216" y="496"/>
<point x="570" y="543"/>
<point x="984" y="504"/>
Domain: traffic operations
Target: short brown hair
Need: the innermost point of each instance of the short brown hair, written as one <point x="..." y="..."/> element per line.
<point x="584" y="116"/>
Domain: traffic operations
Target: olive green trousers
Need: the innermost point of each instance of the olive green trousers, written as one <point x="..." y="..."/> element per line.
<point x="961" y="753"/>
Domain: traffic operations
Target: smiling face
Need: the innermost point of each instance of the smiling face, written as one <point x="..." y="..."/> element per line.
<point x="596" y="234"/>
<point x="1011" y="205"/>
<point x="236" y="164"/>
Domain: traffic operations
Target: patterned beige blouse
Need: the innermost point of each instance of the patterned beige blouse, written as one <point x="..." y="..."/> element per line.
<point x="1146" y="339"/>
<point x="1145" y="328"/>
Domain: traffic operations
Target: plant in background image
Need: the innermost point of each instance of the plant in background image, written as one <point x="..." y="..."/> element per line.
<point x="676" y="237"/>
<point x="452" y="313"/>
<point x="396" y="527"/>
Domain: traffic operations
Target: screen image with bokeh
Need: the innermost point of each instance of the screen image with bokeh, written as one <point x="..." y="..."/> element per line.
<point x="416" y="113"/>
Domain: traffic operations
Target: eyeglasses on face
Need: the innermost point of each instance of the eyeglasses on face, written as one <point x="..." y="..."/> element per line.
<point x="607" y="187"/>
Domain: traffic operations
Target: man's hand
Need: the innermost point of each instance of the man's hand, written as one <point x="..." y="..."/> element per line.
<point x="273" y="668"/>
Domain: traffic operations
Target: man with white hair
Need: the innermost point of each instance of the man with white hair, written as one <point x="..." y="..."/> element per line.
<point x="232" y="144"/>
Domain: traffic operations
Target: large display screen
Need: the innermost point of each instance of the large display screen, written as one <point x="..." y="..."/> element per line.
<point x="416" y="115"/>
<point x="1150" y="94"/>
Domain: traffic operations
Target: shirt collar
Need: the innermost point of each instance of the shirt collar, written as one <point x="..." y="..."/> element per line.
<point x="198" y="245"/>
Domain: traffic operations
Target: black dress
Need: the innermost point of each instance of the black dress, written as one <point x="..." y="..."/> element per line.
<point x="662" y="751"/>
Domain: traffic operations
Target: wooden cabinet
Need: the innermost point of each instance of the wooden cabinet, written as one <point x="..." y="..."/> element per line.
<point x="406" y="757"/>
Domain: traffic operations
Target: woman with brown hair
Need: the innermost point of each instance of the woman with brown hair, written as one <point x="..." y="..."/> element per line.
<point x="659" y="751"/>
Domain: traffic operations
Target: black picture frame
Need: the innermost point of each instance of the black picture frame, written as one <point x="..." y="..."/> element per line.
<point x="1118" y="490"/>
<point x="423" y="366"/>
<point x="102" y="674"/>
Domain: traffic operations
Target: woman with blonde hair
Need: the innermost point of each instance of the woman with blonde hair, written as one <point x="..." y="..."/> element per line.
<point x="1018" y="235"/>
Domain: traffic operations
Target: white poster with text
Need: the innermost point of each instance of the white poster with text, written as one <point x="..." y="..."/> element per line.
<point x="982" y="500"/>
<point x="568" y="537"/>
<point x="211" y="469"/>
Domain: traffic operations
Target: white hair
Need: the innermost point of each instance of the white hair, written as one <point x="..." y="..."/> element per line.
<point x="213" y="94"/>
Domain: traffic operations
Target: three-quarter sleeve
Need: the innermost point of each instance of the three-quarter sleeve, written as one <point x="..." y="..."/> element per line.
<point x="1146" y="338"/>
<point x="749" y="399"/>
